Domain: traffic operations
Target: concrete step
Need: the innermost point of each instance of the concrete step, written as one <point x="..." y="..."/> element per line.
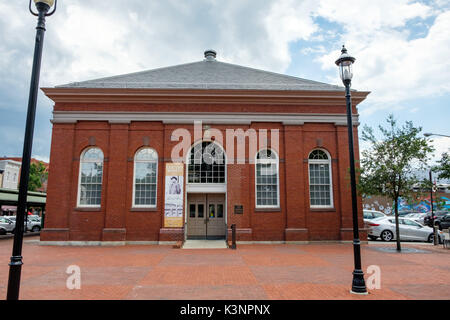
<point x="205" y="244"/>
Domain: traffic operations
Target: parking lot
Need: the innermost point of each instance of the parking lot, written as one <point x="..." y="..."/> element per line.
<point x="310" y="271"/>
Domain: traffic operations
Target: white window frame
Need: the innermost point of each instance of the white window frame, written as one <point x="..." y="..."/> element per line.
<point x="206" y="185"/>
<point x="133" y="205"/>
<point x="277" y="163"/>
<point x="321" y="161"/>
<point x="79" y="179"/>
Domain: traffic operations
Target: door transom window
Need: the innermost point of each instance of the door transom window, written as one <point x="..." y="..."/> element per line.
<point x="206" y="163"/>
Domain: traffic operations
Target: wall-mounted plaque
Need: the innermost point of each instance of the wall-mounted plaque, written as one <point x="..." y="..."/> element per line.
<point x="238" y="209"/>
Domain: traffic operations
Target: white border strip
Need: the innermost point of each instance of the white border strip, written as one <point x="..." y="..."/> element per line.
<point x="123" y="243"/>
<point x="207" y="117"/>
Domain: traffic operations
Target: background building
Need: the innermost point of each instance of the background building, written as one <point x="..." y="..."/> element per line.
<point x="113" y="176"/>
<point x="11" y="173"/>
<point x="9" y="182"/>
<point x="18" y="160"/>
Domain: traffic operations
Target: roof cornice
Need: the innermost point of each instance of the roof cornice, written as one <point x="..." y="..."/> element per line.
<point x="198" y="96"/>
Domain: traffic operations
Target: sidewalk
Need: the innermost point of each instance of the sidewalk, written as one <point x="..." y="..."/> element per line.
<point x="312" y="271"/>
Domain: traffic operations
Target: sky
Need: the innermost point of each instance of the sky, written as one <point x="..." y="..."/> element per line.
<point x="402" y="51"/>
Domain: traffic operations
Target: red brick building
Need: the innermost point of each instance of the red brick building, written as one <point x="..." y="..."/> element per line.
<point x="119" y="170"/>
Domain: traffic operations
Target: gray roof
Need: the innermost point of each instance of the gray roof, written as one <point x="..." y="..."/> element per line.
<point x="206" y="74"/>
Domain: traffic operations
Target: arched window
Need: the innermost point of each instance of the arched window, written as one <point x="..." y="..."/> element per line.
<point x="267" y="188"/>
<point x="320" y="181"/>
<point x="90" y="181"/>
<point x="206" y="163"/>
<point x="145" y="178"/>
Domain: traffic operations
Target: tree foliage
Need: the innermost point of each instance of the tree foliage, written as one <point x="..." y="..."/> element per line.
<point x="38" y="175"/>
<point x="389" y="165"/>
<point x="443" y="167"/>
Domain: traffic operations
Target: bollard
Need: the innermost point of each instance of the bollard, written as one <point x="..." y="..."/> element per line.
<point x="447" y="239"/>
<point x="233" y="236"/>
<point x="42" y="220"/>
<point x="436" y="235"/>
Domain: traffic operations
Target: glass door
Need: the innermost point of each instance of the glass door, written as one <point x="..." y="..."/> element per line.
<point x="196" y="223"/>
<point x="216" y="221"/>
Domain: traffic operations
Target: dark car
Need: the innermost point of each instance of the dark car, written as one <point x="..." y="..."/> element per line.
<point x="437" y="216"/>
<point x="444" y="222"/>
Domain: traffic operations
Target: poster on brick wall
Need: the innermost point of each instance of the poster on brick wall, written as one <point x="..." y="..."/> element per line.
<point x="173" y="198"/>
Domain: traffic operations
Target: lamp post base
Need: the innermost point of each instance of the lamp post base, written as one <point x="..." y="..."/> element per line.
<point x="360" y="293"/>
<point x="15" y="269"/>
<point x="358" y="284"/>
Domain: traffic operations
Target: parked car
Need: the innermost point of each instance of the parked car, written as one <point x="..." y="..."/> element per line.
<point x="6" y="225"/>
<point x="444" y="222"/>
<point x="32" y="224"/>
<point x="409" y="229"/>
<point x="372" y="214"/>
<point x="417" y="217"/>
<point x="403" y="213"/>
<point x="369" y="215"/>
<point x="437" y="216"/>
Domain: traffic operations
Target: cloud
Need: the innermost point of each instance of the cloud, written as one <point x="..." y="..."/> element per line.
<point x="365" y="16"/>
<point x="441" y="145"/>
<point x="313" y="50"/>
<point x="114" y="37"/>
<point x="286" y="22"/>
<point x="394" y="66"/>
<point x="102" y="40"/>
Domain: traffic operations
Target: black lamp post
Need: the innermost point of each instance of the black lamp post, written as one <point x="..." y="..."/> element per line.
<point x="345" y="62"/>
<point x="15" y="266"/>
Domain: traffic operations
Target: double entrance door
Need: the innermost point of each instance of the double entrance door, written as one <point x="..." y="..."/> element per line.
<point x="206" y="216"/>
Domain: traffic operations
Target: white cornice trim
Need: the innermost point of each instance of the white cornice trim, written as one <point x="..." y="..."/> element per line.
<point x="206" y="117"/>
<point x="210" y="96"/>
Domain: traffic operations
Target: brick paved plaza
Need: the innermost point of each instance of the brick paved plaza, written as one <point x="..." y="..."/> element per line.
<point x="313" y="271"/>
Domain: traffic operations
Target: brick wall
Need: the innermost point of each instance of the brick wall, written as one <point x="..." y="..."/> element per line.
<point x="116" y="220"/>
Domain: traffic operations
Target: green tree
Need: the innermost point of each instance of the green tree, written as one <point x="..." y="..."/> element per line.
<point x="389" y="165"/>
<point x="38" y="175"/>
<point x="443" y="167"/>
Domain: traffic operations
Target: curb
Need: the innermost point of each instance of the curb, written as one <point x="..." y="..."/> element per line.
<point x="27" y="234"/>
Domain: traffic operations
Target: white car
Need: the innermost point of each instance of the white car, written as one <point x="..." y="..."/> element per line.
<point x="6" y="225"/>
<point x="369" y="215"/>
<point x="372" y="214"/>
<point x="417" y="217"/>
<point x="33" y="223"/>
<point x="409" y="229"/>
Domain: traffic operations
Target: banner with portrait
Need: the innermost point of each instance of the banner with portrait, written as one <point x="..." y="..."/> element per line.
<point x="173" y="198"/>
